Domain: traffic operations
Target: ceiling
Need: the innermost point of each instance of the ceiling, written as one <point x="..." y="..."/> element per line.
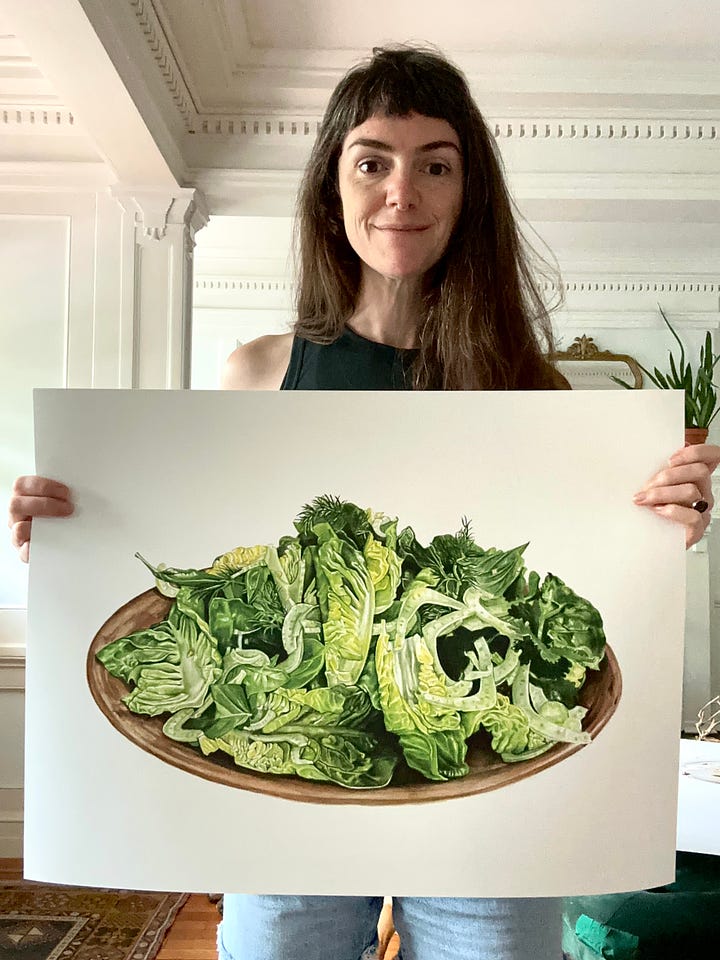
<point x="235" y="55"/>
<point x="235" y="88"/>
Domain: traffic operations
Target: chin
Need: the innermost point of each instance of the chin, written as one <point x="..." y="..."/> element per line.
<point x="402" y="270"/>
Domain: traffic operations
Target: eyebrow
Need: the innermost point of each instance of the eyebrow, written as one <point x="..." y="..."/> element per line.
<point x="425" y="148"/>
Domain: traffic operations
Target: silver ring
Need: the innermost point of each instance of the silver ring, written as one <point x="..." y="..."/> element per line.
<point x="700" y="505"/>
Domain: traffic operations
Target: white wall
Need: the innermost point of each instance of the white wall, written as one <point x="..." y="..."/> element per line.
<point x="242" y="289"/>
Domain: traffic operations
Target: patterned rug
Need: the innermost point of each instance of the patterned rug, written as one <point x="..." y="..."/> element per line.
<point x="40" y="922"/>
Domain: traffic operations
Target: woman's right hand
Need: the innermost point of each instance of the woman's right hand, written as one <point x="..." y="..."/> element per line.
<point x="35" y="497"/>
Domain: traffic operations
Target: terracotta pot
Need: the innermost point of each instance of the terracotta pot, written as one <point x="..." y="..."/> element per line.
<point x="695" y="435"/>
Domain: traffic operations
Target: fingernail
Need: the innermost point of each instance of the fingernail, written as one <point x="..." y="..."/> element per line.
<point x="640" y="497"/>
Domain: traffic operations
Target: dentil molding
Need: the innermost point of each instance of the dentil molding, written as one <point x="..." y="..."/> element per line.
<point x="596" y="127"/>
<point x="589" y="285"/>
<point x="167" y="66"/>
<point x="634" y="285"/>
<point x="36" y="119"/>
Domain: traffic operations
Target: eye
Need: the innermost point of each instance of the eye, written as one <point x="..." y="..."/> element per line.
<point x="437" y="168"/>
<point x="370" y="166"/>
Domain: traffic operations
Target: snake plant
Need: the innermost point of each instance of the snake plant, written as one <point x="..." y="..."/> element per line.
<point x="701" y="400"/>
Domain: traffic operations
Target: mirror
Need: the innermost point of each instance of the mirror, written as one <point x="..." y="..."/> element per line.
<point x="587" y="367"/>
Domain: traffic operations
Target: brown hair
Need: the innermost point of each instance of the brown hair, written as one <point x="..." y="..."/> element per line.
<point x="485" y="325"/>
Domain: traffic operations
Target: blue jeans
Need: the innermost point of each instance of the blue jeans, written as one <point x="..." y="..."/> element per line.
<point x="430" y="928"/>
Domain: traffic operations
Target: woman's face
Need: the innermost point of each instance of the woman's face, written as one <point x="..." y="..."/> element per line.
<point x="401" y="188"/>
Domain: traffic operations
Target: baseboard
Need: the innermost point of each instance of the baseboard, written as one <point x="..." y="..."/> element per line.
<point x="11" y="840"/>
<point x="11" y="822"/>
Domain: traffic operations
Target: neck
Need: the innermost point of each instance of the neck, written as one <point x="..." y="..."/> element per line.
<point x="387" y="310"/>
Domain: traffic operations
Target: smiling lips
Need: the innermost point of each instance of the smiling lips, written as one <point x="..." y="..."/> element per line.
<point x="392" y="228"/>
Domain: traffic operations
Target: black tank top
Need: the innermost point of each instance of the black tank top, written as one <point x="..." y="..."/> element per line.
<point x="349" y="363"/>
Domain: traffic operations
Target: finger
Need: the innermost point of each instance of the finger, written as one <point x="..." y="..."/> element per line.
<point x="20" y="533"/>
<point x="24" y="552"/>
<point x="27" y="507"/>
<point x="706" y="453"/>
<point x="695" y="523"/>
<point x="683" y="494"/>
<point x="33" y="486"/>
<point x="687" y="473"/>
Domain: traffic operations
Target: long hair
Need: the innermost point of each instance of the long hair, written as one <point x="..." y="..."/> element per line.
<point x="484" y="324"/>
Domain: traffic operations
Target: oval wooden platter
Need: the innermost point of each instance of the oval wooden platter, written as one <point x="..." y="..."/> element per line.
<point x="600" y="695"/>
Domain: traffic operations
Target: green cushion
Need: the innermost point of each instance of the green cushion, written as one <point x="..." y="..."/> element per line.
<point x="681" y="919"/>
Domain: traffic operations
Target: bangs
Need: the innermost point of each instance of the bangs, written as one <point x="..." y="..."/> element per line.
<point x="399" y="96"/>
<point x="396" y="83"/>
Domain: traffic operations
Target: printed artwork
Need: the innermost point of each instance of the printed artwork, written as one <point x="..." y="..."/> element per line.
<point x="351" y="654"/>
<point x="354" y="643"/>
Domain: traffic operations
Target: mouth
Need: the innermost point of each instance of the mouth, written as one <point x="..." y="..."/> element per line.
<point x="403" y="229"/>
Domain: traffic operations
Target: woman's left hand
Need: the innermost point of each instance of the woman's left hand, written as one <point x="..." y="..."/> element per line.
<point x="685" y="481"/>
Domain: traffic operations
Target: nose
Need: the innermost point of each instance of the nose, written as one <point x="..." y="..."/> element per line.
<point x="401" y="190"/>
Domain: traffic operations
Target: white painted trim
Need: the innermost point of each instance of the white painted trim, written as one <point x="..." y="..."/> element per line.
<point x="99" y="99"/>
<point x="234" y="192"/>
<point x="619" y="286"/>
<point x="319" y="69"/>
<point x="11" y="821"/>
<point x="36" y="119"/>
<point x="272" y="126"/>
<point x="155" y="39"/>
<point x="54" y="176"/>
<point x="13" y="630"/>
<point x="11" y="840"/>
<point x="629" y="320"/>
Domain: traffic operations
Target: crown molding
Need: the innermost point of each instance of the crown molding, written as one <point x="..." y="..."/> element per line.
<point x="572" y="126"/>
<point x="31" y="118"/>
<point x="259" y="75"/>
<point x="167" y="65"/>
<point x="523" y="73"/>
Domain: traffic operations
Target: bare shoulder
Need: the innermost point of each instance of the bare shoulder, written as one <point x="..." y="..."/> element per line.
<point x="258" y="365"/>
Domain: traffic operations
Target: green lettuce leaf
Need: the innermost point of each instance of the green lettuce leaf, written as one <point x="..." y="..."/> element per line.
<point x="318" y="734"/>
<point x="567" y="626"/>
<point x="125" y="657"/>
<point x="170" y="686"/>
<point x="431" y="735"/>
<point x="385" y="569"/>
<point x="347" y="604"/>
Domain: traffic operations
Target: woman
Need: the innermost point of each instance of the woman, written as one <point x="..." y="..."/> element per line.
<point x="412" y="275"/>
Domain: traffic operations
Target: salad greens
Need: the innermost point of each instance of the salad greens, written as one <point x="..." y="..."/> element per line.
<point x="350" y="650"/>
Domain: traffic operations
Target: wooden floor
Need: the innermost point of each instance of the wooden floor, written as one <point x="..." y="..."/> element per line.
<point x="192" y="936"/>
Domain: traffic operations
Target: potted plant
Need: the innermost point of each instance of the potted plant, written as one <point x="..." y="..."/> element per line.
<point x="701" y="399"/>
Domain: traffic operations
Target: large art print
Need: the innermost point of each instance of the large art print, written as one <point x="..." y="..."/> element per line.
<point x="357" y="642"/>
